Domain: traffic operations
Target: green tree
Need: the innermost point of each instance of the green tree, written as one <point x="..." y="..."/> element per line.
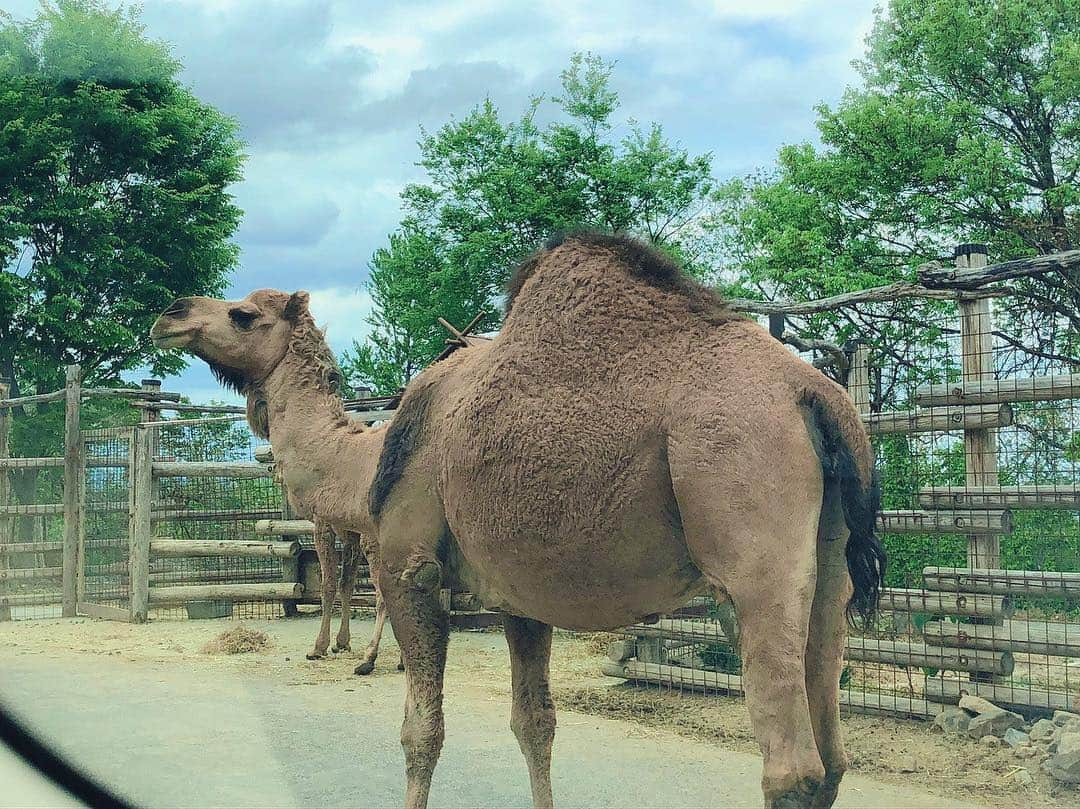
<point x="113" y="199"/>
<point x="965" y="127"/>
<point x="494" y="191"/>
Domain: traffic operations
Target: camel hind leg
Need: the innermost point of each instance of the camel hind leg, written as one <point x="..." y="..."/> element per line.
<point x="825" y="648"/>
<point x="752" y="532"/>
<point x="533" y="714"/>
<point x="367" y="665"/>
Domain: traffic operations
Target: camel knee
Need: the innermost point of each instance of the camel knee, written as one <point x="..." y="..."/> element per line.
<point x="534" y="725"/>
<point x="422" y="735"/>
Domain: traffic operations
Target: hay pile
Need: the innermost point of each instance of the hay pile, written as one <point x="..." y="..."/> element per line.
<point x="237" y="640"/>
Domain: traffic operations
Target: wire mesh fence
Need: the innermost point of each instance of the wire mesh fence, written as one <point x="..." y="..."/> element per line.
<point x="104" y="575"/>
<point x="31" y="541"/>
<point x="201" y="506"/>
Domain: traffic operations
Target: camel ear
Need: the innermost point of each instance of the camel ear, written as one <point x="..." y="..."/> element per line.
<point x="258" y="417"/>
<point x="297" y="305"/>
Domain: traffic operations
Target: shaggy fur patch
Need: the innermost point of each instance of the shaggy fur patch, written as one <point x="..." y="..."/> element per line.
<point x="639" y="260"/>
<point x="402" y="439"/>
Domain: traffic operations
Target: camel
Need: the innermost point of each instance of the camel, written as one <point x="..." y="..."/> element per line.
<point x="626" y="442"/>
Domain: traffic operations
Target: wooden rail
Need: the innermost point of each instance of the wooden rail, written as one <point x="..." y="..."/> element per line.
<point x="284" y="528"/>
<point x="30" y="463"/>
<point x="236" y="470"/>
<point x="1029" y="389"/>
<point x="941" y="521"/>
<point x="30" y="573"/>
<point x="1040" y="496"/>
<point x="940" y="690"/>
<point x="940" y="603"/>
<point x="44" y="546"/>
<point x="979" y="417"/>
<point x="31" y="510"/>
<point x="1047" y="584"/>
<point x="181" y="548"/>
<point x="264" y="591"/>
<point x="207" y="515"/>
<point x="1030" y="637"/>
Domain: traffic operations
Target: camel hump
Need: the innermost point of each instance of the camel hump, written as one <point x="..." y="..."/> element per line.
<point x="620" y="252"/>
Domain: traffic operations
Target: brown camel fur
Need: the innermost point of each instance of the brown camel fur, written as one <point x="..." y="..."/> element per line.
<point x="623" y="444"/>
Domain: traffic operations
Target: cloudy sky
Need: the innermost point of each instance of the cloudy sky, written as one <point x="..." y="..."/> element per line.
<point x="330" y="97"/>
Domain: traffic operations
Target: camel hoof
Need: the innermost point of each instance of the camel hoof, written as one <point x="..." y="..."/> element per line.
<point x="366" y="667"/>
<point x="339" y="648"/>
<point x="315" y="655"/>
<point x="401" y="665"/>
<point x="798" y="798"/>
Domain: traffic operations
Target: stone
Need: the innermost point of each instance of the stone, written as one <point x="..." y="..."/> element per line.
<point x="990" y="741"/>
<point x="1023" y="778"/>
<point x="952" y="720"/>
<point x="1064" y="767"/>
<point x="994" y="723"/>
<point x="1043" y="730"/>
<point x="977" y="705"/>
<point x="1014" y="738"/>
<point x="1068" y="743"/>
<point x="1061" y="717"/>
<point x="1026" y="751"/>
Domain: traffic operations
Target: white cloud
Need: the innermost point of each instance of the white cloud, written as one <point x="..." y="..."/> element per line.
<point x="343" y="312"/>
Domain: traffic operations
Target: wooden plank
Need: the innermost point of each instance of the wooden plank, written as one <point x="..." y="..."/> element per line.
<point x="30" y="463"/>
<point x="1031" y="637"/>
<point x="896" y="599"/>
<point x="682" y="677"/>
<point x="73" y="471"/>
<point x="858" y="383"/>
<point x="371" y="416"/>
<point x="32" y="510"/>
<point x="919" y="655"/>
<point x="30" y="599"/>
<point x="1029" y="389"/>
<point x="264" y="591"/>
<point x="39" y="398"/>
<point x="188" y="408"/>
<point x="103" y="611"/>
<point x="31" y="573"/>
<point x="141" y="522"/>
<point x="1048" y="584"/>
<point x="211" y="515"/>
<point x="46" y="546"/>
<point x="138" y="394"/>
<point x="935" y="276"/>
<point x="1039" y="496"/>
<point x="211" y="576"/>
<point x="224" y="547"/>
<point x="284" y="528"/>
<point x="237" y="470"/>
<point x="939" y="419"/>
<point x="941" y="521"/>
<point x="941" y="690"/>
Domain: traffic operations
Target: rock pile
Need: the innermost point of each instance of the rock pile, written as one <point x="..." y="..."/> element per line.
<point x="1053" y="743"/>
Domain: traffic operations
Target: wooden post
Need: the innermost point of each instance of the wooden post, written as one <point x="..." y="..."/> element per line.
<point x="977" y="364"/>
<point x="858" y="384"/>
<point x="6" y="534"/>
<point x="73" y="470"/>
<point x="140" y="523"/>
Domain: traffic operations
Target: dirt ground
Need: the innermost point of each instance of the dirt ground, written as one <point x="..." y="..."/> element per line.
<point x="683" y="728"/>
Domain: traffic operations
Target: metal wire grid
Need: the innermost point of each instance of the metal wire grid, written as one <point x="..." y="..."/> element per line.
<point x="30" y="579"/>
<point x="212" y="508"/>
<point x="106" y="541"/>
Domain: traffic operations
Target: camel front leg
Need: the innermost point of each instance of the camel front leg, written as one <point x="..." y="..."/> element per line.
<point x="328" y="562"/>
<point x="532" y="717"/>
<point x="350" y="564"/>
<point x="422" y="628"/>
<point x="367" y="665"/>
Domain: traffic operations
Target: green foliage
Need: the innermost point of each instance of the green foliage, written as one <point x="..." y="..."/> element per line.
<point x="113" y="195"/>
<point x="495" y="191"/>
<point x="966" y="127"/>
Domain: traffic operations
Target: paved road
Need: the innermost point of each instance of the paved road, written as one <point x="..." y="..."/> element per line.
<point x="168" y="736"/>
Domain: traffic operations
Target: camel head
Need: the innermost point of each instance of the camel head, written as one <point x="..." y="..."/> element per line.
<point x="242" y="341"/>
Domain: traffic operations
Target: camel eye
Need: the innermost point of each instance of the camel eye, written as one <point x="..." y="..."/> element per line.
<point x="242" y="318"/>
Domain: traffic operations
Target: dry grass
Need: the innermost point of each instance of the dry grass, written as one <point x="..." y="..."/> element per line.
<point x="238" y="640"/>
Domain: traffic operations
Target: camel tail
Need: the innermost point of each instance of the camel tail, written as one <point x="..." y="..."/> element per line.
<point x="847" y="461"/>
